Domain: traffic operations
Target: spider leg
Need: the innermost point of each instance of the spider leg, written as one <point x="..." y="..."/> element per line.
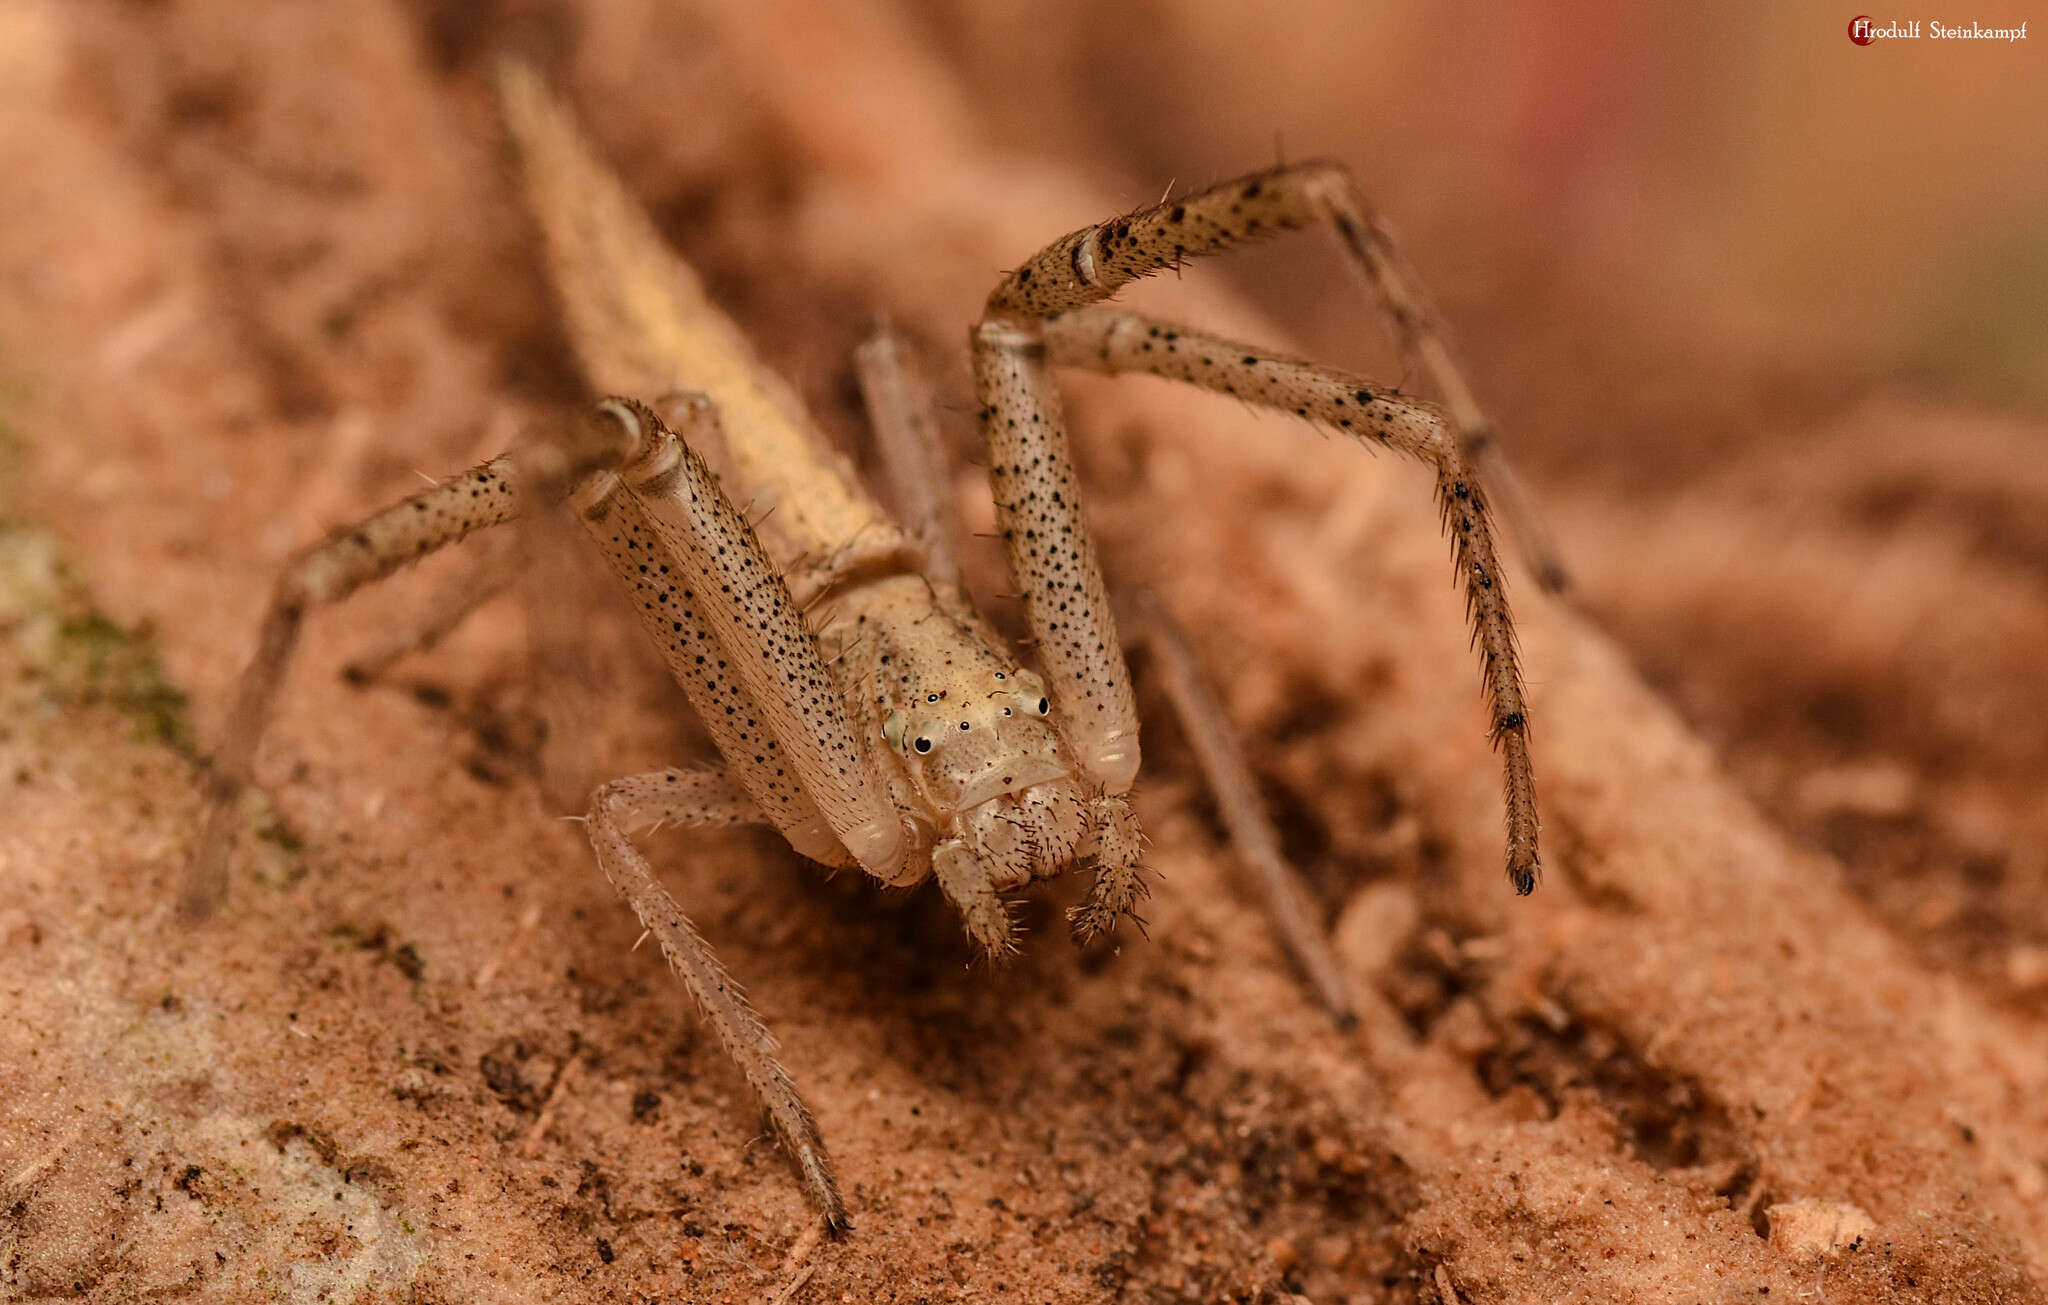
<point x="1223" y="764"/>
<point x="449" y="607"/>
<point x="1371" y="251"/>
<point x="654" y="580"/>
<point x="350" y="558"/>
<point x="1092" y="264"/>
<point x="557" y="651"/>
<point x="708" y="799"/>
<point x="327" y="573"/>
<point x="1032" y="474"/>
<point x="899" y="403"/>
<point x="728" y="587"/>
<point x="646" y="554"/>
<point x="1052" y="555"/>
<point x="1114" y="342"/>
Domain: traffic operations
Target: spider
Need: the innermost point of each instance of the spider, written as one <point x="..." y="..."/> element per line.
<point x="860" y="704"/>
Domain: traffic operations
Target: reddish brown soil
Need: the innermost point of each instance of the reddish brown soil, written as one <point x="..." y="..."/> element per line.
<point x="261" y="265"/>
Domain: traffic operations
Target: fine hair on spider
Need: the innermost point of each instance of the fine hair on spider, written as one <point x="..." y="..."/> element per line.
<point x="860" y="705"/>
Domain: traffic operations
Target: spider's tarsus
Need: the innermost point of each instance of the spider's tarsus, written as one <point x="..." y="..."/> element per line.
<point x="1091" y="922"/>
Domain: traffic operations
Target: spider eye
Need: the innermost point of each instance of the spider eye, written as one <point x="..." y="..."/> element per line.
<point x="1008" y="712"/>
<point x="923" y="745"/>
<point x="1032" y="704"/>
<point x="963" y="727"/>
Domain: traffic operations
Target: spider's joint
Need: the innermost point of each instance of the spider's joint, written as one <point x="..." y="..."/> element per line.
<point x="628" y="414"/>
<point x="651" y="464"/>
<point x="1115" y="339"/>
<point x="595" y="489"/>
<point x="1085" y="250"/>
<point x="1007" y="334"/>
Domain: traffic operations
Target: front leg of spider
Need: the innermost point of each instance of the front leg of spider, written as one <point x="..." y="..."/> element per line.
<point x="1045" y="312"/>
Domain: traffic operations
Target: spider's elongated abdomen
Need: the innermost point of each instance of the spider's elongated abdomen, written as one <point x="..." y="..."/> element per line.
<point x="642" y="326"/>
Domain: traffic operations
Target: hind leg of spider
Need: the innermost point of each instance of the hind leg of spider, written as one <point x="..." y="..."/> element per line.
<point x="1371" y="252"/>
<point x="1223" y="764"/>
<point x="905" y="421"/>
<point x="324" y="574"/>
<point x="566" y="776"/>
<point x="701" y="799"/>
<point x="444" y="613"/>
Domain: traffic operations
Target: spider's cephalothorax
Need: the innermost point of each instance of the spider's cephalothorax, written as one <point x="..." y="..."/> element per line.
<point x="974" y="750"/>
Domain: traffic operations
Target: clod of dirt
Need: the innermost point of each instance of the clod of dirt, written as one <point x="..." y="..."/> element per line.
<point x="1815" y="1229"/>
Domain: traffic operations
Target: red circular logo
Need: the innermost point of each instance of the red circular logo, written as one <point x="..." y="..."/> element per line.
<point x="1859" y="29"/>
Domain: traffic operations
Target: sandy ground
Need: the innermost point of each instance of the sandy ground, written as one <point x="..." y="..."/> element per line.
<point x="1773" y="1028"/>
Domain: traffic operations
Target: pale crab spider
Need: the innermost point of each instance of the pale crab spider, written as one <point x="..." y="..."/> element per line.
<point x="861" y="706"/>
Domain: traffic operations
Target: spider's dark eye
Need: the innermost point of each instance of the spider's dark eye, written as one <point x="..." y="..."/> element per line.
<point x="1044" y="707"/>
<point x="923" y="745"/>
<point x="1008" y="712"/>
<point x="1001" y="676"/>
<point x="931" y="697"/>
<point x="963" y="726"/>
